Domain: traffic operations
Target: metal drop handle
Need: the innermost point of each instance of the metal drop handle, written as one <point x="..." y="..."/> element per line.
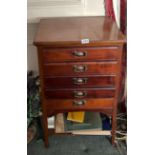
<point x="80" y="80"/>
<point x="79" y="94"/>
<point x="79" y="68"/>
<point x="80" y="53"/>
<point x="79" y="102"/>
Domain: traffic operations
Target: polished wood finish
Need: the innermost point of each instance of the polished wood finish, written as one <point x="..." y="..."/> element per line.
<point x="89" y="104"/>
<point x="69" y="31"/>
<point x="80" y="54"/>
<point x="80" y="63"/>
<point x="80" y="93"/>
<point x="81" y="68"/>
<point x="80" y="81"/>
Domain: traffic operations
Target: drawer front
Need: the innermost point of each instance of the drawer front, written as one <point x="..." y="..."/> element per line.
<point x="75" y="104"/>
<point x="85" y="68"/>
<point x="80" y="54"/>
<point x="79" y="82"/>
<point x="79" y="93"/>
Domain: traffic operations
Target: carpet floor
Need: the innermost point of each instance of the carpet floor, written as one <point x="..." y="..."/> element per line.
<point x="73" y="145"/>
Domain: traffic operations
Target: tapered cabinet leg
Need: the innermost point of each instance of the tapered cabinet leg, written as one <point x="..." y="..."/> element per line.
<point x="113" y="140"/>
<point x="45" y="128"/>
<point x="113" y="132"/>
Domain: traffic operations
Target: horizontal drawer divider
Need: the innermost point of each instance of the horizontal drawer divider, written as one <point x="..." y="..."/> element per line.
<point x="81" y="62"/>
<point x="88" y="48"/>
<point x="72" y="89"/>
<point x="104" y="99"/>
<point x="76" y="88"/>
<point x="72" y="76"/>
<point x="94" y="99"/>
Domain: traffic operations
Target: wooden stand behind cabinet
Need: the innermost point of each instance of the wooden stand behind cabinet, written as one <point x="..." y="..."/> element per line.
<point x="80" y="63"/>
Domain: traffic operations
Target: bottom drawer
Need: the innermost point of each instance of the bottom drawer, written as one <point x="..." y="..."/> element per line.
<point x="82" y="104"/>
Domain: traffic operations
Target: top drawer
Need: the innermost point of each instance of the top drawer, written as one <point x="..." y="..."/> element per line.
<point x="79" y="54"/>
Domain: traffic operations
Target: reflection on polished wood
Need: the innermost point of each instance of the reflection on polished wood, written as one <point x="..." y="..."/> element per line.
<point x="70" y="31"/>
<point x="80" y="64"/>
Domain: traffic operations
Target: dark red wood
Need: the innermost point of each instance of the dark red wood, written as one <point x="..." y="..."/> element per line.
<point x="68" y="32"/>
<point x="80" y="54"/>
<point x="69" y="82"/>
<point x="123" y="16"/>
<point x="94" y="67"/>
<point x="44" y="107"/>
<point x="79" y="93"/>
<point x="89" y="68"/>
<point x="90" y="104"/>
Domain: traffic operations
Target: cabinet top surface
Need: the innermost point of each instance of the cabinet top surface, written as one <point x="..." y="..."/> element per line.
<point x="78" y="31"/>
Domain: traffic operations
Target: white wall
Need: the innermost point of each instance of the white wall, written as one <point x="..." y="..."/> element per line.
<point x="55" y="8"/>
<point x="32" y="62"/>
<point x="116" y="5"/>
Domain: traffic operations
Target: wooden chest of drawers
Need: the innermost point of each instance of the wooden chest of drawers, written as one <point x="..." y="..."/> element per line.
<point x="80" y="64"/>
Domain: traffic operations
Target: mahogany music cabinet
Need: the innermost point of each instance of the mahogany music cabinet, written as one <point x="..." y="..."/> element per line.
<point x="80" y="64"/>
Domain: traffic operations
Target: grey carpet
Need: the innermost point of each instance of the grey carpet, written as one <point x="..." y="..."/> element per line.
<point x="73" y="145"/>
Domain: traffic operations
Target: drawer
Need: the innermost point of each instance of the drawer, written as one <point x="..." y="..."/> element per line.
<point x="80" y="54"/>
<point x="74" y="104"/>
<point x="85" y="68"/>
<point x="79" y="93"/>
<point x="79" y="82"/>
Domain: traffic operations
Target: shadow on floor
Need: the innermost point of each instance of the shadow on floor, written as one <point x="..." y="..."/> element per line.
<point x="73" y="145"/>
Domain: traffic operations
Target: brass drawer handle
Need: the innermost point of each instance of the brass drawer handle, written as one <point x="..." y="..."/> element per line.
<point x="79" y="68"/>
<point x="80" y="94"/>
<point x="80" y="80"/>
<point x="80" y="53"/>
<point x="79" y="102"/>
